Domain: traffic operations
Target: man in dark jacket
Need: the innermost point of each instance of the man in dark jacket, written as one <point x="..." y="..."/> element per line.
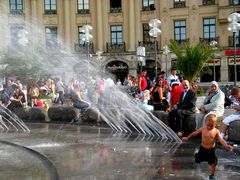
<point x="182" y="119"/>
<point x="4" y="96"/>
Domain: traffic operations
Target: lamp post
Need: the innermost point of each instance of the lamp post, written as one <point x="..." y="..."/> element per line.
<point x="213" y="44"/>
<point x="141" y="56"/>
<point x="87" y="37"/>
<point x="154" y="32"/>
<point x="234" y="26"/>
<point x="166" y="50"/>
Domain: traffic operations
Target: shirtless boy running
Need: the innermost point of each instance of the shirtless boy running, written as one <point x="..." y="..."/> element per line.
<point x="209" y="133"/>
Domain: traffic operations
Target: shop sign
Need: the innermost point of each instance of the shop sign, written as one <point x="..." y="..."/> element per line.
<point x="231" y="60"/>
<point x="231" y="52"/>
<point x="116" y="68"/>
<point x="211" y="62"/>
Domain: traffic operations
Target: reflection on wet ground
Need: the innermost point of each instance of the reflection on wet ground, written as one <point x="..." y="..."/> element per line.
<point x="94" y="153"/>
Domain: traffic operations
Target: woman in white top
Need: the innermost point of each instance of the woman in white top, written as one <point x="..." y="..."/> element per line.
<point x="145" y="98"/>
<point x="213" y="104"/>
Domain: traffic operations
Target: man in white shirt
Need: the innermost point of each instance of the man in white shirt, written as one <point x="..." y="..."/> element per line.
<point x="60" y="91"/>
<point x="173" y="77"/>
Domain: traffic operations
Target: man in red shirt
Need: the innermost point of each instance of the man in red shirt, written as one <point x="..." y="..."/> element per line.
<point x="142" y="83"/>
<point x="176" y="91"/>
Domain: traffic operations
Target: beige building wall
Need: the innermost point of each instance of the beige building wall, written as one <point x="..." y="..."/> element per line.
<point x="131" y="18"/>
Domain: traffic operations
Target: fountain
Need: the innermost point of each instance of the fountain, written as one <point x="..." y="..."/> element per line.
<point x="119" y="111"/>
<point x="11" y="122"/>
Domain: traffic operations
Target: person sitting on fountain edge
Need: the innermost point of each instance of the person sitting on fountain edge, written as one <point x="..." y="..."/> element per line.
<point x="17" y="99"/>
<point x="78" y="101"/>
<point x="184" y="114"/>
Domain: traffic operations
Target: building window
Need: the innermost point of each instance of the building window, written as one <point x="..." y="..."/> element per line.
<point x="209" y="29"/>
<point x="50" y="6"/>
<point x="234" y="2"/>
<point x="148" y="5"/>
<point x="179" y="3"/>
<point x="51" y="36"/>
<point x="83" y="6"/>
<point x="16" y="6"/>
<point x="116" y="34"/>
<point x="80" y="36"/>
<point x="180" y="30"/>
<point x="115" y="6"/>
<point x="15" y="37"/>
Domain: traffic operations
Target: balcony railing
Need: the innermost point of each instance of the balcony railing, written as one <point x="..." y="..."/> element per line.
<point x="16" y="11"/>
<point x="151" y="7"/>
<point x="208" y="40"/>
<point x="115" y="10"/>
<point x="180" y="4"/>
<point x="234" y="3"/>
<point x="50" y="11"/>
<point x="116" y="48"/>
<point x="83" y="11"/>
<point x="149" y="45"/>
<point x="83" y="48"/>
<point x="182" y="41"/>
<point x="208" y="2"/>
<point x="230" y="41"/>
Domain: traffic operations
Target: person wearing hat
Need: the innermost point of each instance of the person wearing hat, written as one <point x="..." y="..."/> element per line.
<point x="212" y="104"/>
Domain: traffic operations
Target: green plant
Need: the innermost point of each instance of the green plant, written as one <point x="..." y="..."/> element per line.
<point x="200" y="91"/>
<point x="191" y="60"/>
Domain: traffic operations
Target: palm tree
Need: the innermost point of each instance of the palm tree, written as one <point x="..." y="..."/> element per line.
<point x="191" y="60"/>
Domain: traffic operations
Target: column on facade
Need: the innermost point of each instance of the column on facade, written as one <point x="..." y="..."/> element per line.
<point x="34" y="9"/>
<point x="3" y="24"/>
<point x="224" y="69"/>
<point x="67" y="23"/>
<point x="99" y="26"/>
<point x="138" y="20"/>
<point x="131" y="26"/>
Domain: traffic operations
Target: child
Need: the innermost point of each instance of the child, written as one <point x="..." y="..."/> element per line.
<point x="236" y="106"/>
<point x="208" y="143"/>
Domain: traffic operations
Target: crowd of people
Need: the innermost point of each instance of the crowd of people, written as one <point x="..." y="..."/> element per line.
<point x="14" y="94"/>
<point x="169" y="94"/>
<point x="179" y="99"/>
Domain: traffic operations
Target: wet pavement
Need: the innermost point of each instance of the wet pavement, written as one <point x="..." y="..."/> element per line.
<point x="65" y="151"/>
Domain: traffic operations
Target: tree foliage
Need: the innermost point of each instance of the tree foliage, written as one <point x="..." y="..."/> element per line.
<point x="191" y="60"/>
<point x="29" y="63"/>
<point x="18" y="66"/>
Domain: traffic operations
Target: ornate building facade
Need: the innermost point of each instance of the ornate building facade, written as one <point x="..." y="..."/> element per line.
<point x="121" y="26"/>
